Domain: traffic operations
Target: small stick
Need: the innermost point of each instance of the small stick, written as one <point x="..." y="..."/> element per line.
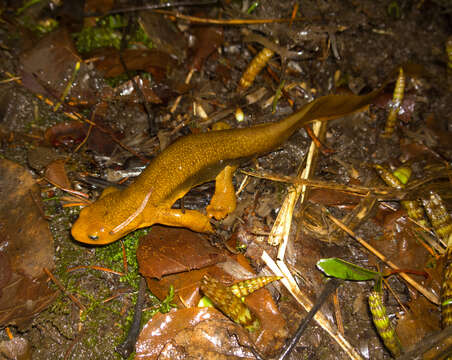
<point x="128" y="346"/>
<point x="427" y="343"/>
<point x="63" y="289"/>
<point x="429" y="295"/>
<point x="328" y="288"/>
<point x="357" y="190"/>
<point x="70" y="191"/>
<point x="337" y="313"/>
<point x="94" y="267"/>
<point x="289" y="282"/>
<point x="67" y="354"/>
<point x="395" y="295"/>
<point x="199" y="20"/>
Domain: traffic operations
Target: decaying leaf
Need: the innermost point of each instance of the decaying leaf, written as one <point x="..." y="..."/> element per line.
<point x="152" y="61"/>
<point x="203" y="333"/>
<point x="17" y="348"/>
<point x="208" y="39"/>
<point x="50" y="63"/>
<point x="422" y="319"/>
<point x="165" y="36"/>
<point x="273" y="330"/>
<point x="72" y="133"/>
<point x="26" y="247"/>
<point x="171" y="250"/>
<point x="56" y="173"/>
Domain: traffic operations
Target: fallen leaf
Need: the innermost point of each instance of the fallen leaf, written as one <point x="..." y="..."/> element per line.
<point x="399" y="242"/>
<point x="150" y="60"/>
<point x="172" y="250"/>
<point x="17" y="348"/>
<point x="26" y="247"/>
<point x="70" y="134"/>
<point x="208" y="39"/>
<point x="48" y="65"/>
<point x="422" y="319"/>
<point x="40" y="157"/>
<point x="273" y="330"/>
<point x="165" y="36"/>
<point x="56" y="173"/>
<point x="193" y="333"/>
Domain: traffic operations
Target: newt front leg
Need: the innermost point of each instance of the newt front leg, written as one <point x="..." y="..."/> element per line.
<point x="191" y="219"/>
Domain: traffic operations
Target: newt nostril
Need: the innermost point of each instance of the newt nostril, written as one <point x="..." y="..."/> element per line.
<point x="93" y="237"/>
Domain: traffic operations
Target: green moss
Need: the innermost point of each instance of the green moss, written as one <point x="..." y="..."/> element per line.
<point x="108" y="33"/>
<point x="112" y="257"/>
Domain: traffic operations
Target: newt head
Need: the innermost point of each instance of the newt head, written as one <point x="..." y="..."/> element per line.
<point x="91" y="228"/>
<point x="96" y="224"/>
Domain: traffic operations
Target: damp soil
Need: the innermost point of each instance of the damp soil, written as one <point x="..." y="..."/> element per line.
<point x="351" y="46"/>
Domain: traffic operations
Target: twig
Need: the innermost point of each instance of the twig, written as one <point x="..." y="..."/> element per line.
<point x="75" y="193"/>
<point x="289" y="282"/>
<point x="94" y="267"/>
<point x="63" y="289"/>
<point x="131" y="22"/>
<point x="428" y="294"/>
<point x="199" y="20"/>
<point x="328" y="288"/>
<point x="151" y="7"/>
<point x="128" y="346"/>
<point x="67" y="354"/>
<point x="283" y="52"/>
<point x="427" y="343"/>
<point x="395" y="295"/>
<point x="357" y="190"/>
<point x="337" y="313"/>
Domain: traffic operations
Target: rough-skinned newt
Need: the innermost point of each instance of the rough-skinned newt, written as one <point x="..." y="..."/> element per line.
<point x="191" y="161"/>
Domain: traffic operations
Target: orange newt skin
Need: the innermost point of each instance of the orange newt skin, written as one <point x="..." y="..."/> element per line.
<point x="191" y="161"/>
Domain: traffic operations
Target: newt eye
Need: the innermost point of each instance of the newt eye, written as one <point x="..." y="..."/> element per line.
<point x="93" y="237"/>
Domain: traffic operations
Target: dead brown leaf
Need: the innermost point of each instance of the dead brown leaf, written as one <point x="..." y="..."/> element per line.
<point x="208" y="39"/>
<point x="72" y="133"/>
<point x="152" y="61"/>
<point x="172" y="250"/>
<point x="193" y="333"/>
<point x="422" y="320"/>
<point x="26" y="247"/>
<point x="56" y="173"/>
<point x="165" y="36"/>
<point x="49" y="64"/>
<point x="17" y="348"/>
<point x="399" y="242"/>
<point x="273" y="330"/>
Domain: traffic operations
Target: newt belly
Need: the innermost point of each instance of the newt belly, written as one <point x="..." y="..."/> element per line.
<point x="191" y="161"/>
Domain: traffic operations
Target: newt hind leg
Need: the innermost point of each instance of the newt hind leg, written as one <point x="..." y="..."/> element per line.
<point x="223" y="201"/>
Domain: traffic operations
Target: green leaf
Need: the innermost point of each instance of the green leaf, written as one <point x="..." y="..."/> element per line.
<point x="344" y="270"/>
<point x="205" y="302"/>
